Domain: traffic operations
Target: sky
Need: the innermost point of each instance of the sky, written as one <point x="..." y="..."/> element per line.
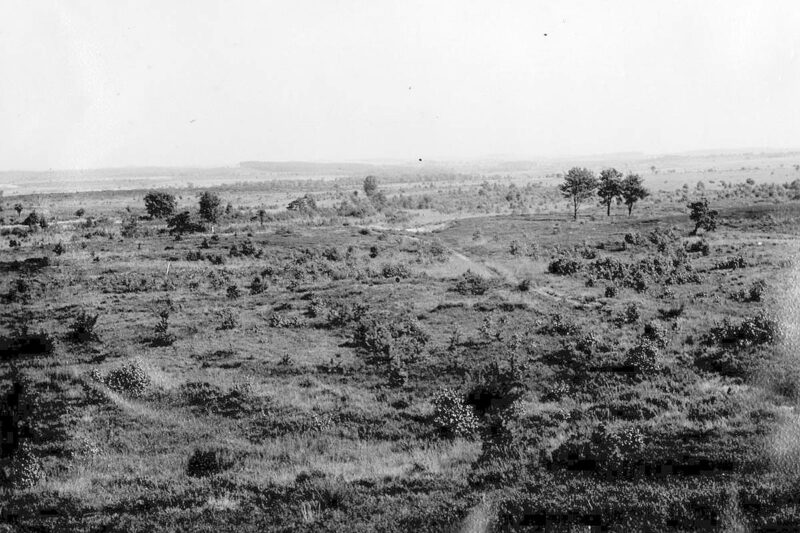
<point x="88" y="84"/>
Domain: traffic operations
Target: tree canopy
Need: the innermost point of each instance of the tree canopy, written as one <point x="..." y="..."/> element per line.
<point x="610" y="188"/>
<point x="632" y="191"/>
<point x="579" y="185"/>
<point x="159" y="204"/>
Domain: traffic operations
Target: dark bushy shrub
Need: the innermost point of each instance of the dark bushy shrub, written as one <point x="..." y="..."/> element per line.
<point x="564" y="266"/>
<point x="732" y="263"/>
<point x="209" y="462"/>
<point x="643" y="358"/>
<point x="753" y="331"/>
<point x="129" y="379"/>
<point x="82" y="328"/>
<point x="452" y="415"/>
<point x="472" y="284"/>
<point x="395" y="270"/>
<point x="385" y="337"/>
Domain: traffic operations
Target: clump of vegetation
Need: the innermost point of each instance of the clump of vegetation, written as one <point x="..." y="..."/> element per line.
<point x="25" y="469"/>
<point x="129" y="379"/>
<point x="559" y="324"/>
<point x="731" y="263"/>
<point x="183" y="223"/>
<point x="471" y="283"/>
<point x="700" y="246"/>
<point x="26" y="342"/>
<point x="258" y="285"/>
<point x="278" y="320"/>
<point x="752" y="331"/>
<point x="452" y="416"/>
<point x="159" y="204"/>
<point x="162" y="336"/>
<point x="209" y="462"/>
<point x="656" y="333"/>
<point x="754" y="294"/>
<point x="395" y="270"/>
<point x="228" y="318"/>
<point x="643" y="357"/>
<point x="564" y="266"/>
<point x="384" y="337"/>
<point x="233" y="292"/>
<point x="82" y="329"/>
<point x="209" y="206"/>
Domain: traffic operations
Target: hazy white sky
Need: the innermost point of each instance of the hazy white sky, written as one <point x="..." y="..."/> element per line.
<point x="195" y="82"/>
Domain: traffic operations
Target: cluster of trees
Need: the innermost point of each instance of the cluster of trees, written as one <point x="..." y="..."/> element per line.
<point x="581" y="184"/>
<point x="160" y="204"/>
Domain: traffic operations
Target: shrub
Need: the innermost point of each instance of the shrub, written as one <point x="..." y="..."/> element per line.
<point x="397" y="373"/>
<point x="233" y="292"/>
<point x="631" y="314"/>
<point x="228" y="319"/>
<point x="25" y="342"/>
<point x="564" y="266"/>
<point x="82" y="328"/>
<point x="385" y="337"/>
<point x="59" y="248"/>
<point x="643" y="357"/>
<point x="732" y="263"/>
<point x="754" y="294"/>
<point x="752" y="331"/>
<point x="208" y="462"/>
<point x="472" y="284"/>
<point x="558" y="324"/>
<point x="257" y="286"/>
<point x="130" y="379"/>
<point x="277" y="320"/>
<point x="525" y="285"/>
<point x="656" y="333"/>
<point x="611" y="291"/>
<point x="340" y="314"/>
<point x="452" y="416"/>
<point x="634" y="238"/>
<point x="25" y="469"/>
<point x="162" y="336"/>
<point x="395" y="270"/>
<point x="183" y="223"/>
<point x="700" y="246"/>
<point x="702" y="216"/>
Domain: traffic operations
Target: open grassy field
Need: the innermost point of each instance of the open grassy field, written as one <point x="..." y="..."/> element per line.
<point x="463" y="357"/>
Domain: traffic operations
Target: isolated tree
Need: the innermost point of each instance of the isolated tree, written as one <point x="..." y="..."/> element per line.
<point x="18" y="208"/>
<point x="159" y="204"/>
<point x="703" y="217"/>
<point x="632" y="190"/>
<point x="579" y="185"/>
<point x="370" y="185"/>
<point x="610" y="188"/>
<point x="262" y="213"/>
<point x="209" y="206"/>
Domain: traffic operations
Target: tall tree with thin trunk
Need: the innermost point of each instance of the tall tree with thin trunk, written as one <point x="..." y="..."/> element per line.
<point x="633" y="191"/>
<point x="610" y="188"/>
<point x="579" y="185"/>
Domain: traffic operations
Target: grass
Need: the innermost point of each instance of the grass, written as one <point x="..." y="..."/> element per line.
<point x="318" y="436"/>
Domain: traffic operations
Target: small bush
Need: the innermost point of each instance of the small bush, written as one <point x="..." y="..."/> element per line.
<point x="754" y="294"/>
<point x="732" y="263"/>
<point x="525" y="285"/>
<point x="395" y="270"/>
<point x="472" y="284"/>
<point x="700" y="246"/>
<point x="228" y="319"/>
<point x="753" y="331"/>
<point x="59" y="248"/>
<point x="643" y="357"/>
<point x="208" y="462"/>
<point x="385" y="337"/>
<point x="25" y="469"/>
<point x="452" y="415"/>
<point x="558" y="324"/>
<point x="564" y="266"/>
<point x="162" y="336"/>
<point x="82" y="328"/>
<point x="611" y="291"/>
<point x="130" y="379"/>
<point x="233" y="292"/>
<point x="634" y="238"/>
<point x="656" y="333"/>
<point x="257" y="286"/>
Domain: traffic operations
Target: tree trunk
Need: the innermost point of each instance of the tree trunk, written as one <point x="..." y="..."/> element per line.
<point x="575" y="213"/>
<point x="608" y="212"/>
<point x="630" y="208"/>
